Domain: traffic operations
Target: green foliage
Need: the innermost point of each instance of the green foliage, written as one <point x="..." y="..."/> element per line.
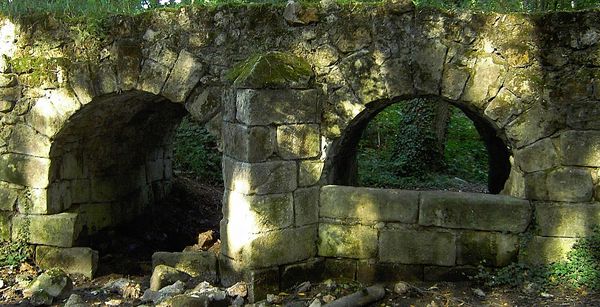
<point x="196" y="152"/>
<point x="580" y="270"/>
<point x="393" y="158"/>
<point x="465" y="154"/>
<point x="14" y="253"/>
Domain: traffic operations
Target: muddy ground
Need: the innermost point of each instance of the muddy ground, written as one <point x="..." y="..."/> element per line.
<point x="193" y="208"/>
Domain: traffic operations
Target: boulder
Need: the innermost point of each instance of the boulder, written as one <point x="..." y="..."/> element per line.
<point x="164" y="275"/>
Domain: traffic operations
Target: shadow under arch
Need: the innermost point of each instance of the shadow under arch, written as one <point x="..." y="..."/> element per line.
<point x="341" y="166"/>
<point x="112" y="159"/>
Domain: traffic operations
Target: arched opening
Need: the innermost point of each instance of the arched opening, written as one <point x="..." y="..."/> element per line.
<point x="115" y="164"/>
<point x="438" y="116"/>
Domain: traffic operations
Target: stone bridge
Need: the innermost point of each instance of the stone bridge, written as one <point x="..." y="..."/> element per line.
<point x="87" y="120"/>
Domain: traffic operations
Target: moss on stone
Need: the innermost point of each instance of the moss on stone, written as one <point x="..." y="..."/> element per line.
<point x="272" y="69"/>
<point x="36" y="71"/>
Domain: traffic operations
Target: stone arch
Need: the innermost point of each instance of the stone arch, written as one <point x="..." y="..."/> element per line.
<point x="112" y="158"/>
<point x="341" y="167"/>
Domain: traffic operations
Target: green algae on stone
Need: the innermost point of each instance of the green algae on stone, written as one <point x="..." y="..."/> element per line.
<point x="271" y="70"/>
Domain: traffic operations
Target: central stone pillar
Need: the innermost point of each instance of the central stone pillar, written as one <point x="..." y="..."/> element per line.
<point x="270" y="129"/>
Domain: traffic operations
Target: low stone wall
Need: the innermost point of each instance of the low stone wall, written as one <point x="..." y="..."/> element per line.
<point x="421" y="234"/>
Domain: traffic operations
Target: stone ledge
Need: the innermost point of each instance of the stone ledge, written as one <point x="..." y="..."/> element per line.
<point x="55" y="230"/>
<point x="474" y="211"/>
<point x="369" y="204"/>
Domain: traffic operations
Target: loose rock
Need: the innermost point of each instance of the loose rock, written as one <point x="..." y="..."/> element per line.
<point x="165" y="275"/>
<point x="51" y="284"/>
<point x="238" y="289"/>
<point x="401" y="288"/>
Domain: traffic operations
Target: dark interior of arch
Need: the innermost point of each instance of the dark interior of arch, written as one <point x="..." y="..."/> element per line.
<point x="114" y="158"/>
<point x="343" y="166"/>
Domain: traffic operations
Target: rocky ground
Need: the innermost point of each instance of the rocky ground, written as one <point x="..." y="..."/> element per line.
<point x="124" y="275"/>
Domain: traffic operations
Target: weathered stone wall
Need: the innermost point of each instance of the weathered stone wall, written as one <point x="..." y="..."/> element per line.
<point x="81" y="112"/>
<point x="397" y="234"/>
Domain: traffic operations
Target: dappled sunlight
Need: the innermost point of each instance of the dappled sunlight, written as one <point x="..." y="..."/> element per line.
<point x="8" y="38"/>
<point x="241" y="222"/>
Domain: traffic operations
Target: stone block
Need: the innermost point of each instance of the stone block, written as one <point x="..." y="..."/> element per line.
<point x="59" y="197"/>
<point x="152" y="77"/>
<point x="370" y="273"/>
<point x="580" y="148"/>
<point x="50" y="112"/>
<point x="311" y="270"/>
<point x="397" y="77"/>
<point x="491" y="248"/>
<point x="538" y="156"/>
<point x="538" y="122"/>
<point x="105" y="79"/>
<point x="80" y="191"/>
<point x="5" y="226"/>
<point x="183" y="77"/>
<point x="566" y="219"/>
<point x="417" y="247"/>
<point x="351" y="241"/>
<point x="55" y="230"/>
<point x="485" y="81"/>
<point x="71" y="167"/>
<point x="260" y="178"/>
<point x="266" y="107"/>
<point x="309" y="172"/>
<point x="454" y="80"/>
<point x="74" y="260"/>
<point x="95" y="217"/>
<point x="269" y="248"/>
<point x="545" y="250"/>
<point x="339" y="268"/>
<point x="105" y="189"/>
<point x="24" y="170"/>
<point x="259" y="213"/>
<point x="8" y="196"/>
<point x="36" y="201"/>
<point x="248" y="144"/>
<point x="25" y="140"/>
<point x="299" y="141"/>
<point x="569" y="184"/>
<point x="474" y="211"/>
<point x="272" y="69"/>
<point x="198" y="264"/>
<point x="428" y="63"/>
<point x="369" y="204"/>
<point x="164" y="275"/>
<point x="451" y="274"/>
<point x="504" y="107"/>
<point x="306" y="206"/>
<point x="206" y="105"/>
<point x="515" y="184"/>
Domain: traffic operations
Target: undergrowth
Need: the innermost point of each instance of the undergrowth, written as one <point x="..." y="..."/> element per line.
<point x="102" y="8"/>
<point x="15" y="252"/>
<point x="196" y="152"/>
<point x="581" y="269"/>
